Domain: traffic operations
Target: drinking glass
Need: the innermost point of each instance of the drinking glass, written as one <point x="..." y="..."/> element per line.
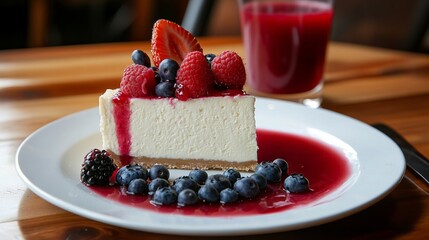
<point x="285" y="44"/>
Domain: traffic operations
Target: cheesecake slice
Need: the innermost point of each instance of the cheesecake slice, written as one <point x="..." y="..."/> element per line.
<point x="214" y="132"/>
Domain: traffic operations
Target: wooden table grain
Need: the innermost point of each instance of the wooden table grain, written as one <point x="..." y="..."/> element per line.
<point x="372" y="85"/>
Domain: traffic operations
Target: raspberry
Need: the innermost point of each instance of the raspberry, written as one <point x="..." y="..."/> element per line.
<point x="97" y="168"/>
<point x="138" y="81"/>
<point x="228" y="70"/>
<point x="194" y="77"/>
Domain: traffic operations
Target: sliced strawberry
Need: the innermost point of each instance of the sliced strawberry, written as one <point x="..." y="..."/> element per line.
<point x="194" y="78"/>
<point x="169" y="40"/>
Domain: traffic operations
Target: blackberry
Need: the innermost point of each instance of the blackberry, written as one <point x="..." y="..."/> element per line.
<point x="97" y="168"/>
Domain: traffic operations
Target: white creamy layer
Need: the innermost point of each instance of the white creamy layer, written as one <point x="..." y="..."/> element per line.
<point x="214" y="128"/>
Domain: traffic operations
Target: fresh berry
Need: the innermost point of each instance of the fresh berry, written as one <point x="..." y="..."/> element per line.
<point x="157" y="183"/>
<point x="218" y="181"/>
<point x="179" y="179"/>
<point x="228" y="195"/>
<point x="232" y="175"/>
<point x="168" y="70"/>
<point x="138" y="81"/>
<point x="159" y="171"/>
<point x="187" y="197"/>
<point x="97" y="168"/>
<point x="208" y="193"/>
<point x="165" y="89"/>
<point x="296" y="183"/>
<point x="170" y="40"/>
<point x="164" y="196"/>
<point x="141" y="58"/>
<point x="137" y="187"/>
<point x="260" y="180"/>
<point x="130" y="172"/>
<point x="198" y="175"/>
<point x="283" y="165"/>
<point x="209" y="58"/>
<point x="247" y="188"/>
<point x="228" y="70"/>
<point x="270" y="171"/>
<point x="194" y="77"/>
<point x="186" y="183"/>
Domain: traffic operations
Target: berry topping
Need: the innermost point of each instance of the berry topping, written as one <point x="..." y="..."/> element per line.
<point x="168" y="70"/>
<point x="218" y="181"/>
<point x="97" y="168"/>
<point x="187" y="197"/>
<point x="159" y="171"/>
<point x="157" y="183"/>
<point x="137" y="187"/>
<point x="296" y="183"/>
<point x="209" y="58"/>
<point x="140" y="57"/>
<point x="228" y="70"/>
<point x="260" y="180"/>
<point x="130" y="172"/>
<point x="283" y="165"/>
<point x="165" y="196"/>
<point x="138" y="81"/>
<point x="208" y="193"/>
<point x="186" y="183"/>
<point x="228" y="195"/>
<point x="165" y="89"/>
<point x="232" y="175"/>
<point x="194" y="77"/>
<point x="247" y="187"/>
<point x="170" y="40"/>
<point x="199" y="176"/>
<point x="270" y="171"/>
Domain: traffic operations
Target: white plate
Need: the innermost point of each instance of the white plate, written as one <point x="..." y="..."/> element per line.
<point x="49" y="162"/>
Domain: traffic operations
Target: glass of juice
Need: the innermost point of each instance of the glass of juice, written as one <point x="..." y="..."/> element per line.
<point x="285" y="44"/>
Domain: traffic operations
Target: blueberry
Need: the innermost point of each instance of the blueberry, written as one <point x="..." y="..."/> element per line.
<point x="157" y="183"/>
<point x="187" y="197"/>
<point x="247" y="187"/>
<point x="208" y="193"/>
<point x="168" y="70"/>
<point x="232" y="175"/>
<point x="218" y="181"/>
<point x="165" y="89"/>
<point x="186" y="183"/>
<point x="270" y="171"/>
<point x="296" y="183"/>
<point x="283" y="165"/>
<point x="130" y="172"/>
<point x="164" y="196"/>
<point x="141" y="58"/>
<point x="228" y="195"/>
<point x="209" y="58"/>
<point x="158" y="171"/>
<point x="137" y="186"/>
<point x="199" y="176"/>
<point x="260" y="180"/>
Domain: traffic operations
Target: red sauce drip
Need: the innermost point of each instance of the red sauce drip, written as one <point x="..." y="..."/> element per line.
<point x="325" y="168"/>
<point x="122" y="114"/>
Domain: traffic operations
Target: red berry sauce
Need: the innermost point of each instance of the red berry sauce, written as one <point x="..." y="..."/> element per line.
<point x="326" y="169"/>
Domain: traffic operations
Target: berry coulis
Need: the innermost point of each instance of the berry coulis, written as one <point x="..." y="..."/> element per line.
<point x="326" y="169"/>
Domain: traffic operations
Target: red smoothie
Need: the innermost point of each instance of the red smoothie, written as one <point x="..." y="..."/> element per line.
<point x="285" y="44"/>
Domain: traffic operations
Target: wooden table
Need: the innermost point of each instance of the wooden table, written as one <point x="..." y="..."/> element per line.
<point x="38" y="86"/>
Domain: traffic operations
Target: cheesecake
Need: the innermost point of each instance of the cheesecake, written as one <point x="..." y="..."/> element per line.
<point x="186" y="110"/>
<point x="206" y="133"/>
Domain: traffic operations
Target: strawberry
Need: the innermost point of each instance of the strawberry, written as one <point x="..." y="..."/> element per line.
<point x="228" y="70"/>
<point x="194" y="77"/>
<point x="138" y="81"/>
<point x="169" y="40"/>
